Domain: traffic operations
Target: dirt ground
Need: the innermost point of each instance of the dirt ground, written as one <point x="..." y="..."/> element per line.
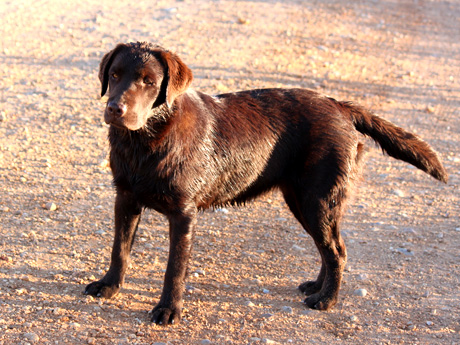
<point x="402" y="229"/>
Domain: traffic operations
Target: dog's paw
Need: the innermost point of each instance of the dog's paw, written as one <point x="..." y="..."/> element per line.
<point x="320" y="302"/>
<point x="310" y="287"/>
<point x="102" y="289"/>
<point x="165" y="316"/>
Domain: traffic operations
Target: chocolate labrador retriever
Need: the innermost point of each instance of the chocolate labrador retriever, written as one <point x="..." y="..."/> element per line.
<point x="178" y="151"/>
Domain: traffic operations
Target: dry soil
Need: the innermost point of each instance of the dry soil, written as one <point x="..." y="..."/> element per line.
<point x="402" y="229"/>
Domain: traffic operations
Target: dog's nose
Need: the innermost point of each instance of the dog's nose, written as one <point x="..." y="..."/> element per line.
<point x="116" y="109"/>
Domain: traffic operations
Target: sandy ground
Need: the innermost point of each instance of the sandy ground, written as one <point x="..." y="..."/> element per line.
<point x="402" y="229"/>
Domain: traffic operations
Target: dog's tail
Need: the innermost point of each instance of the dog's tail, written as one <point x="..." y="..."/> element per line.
<point x="395" y="141"/>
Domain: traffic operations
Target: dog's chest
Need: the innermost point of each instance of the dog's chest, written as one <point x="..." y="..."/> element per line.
<point x="138" y="171"/>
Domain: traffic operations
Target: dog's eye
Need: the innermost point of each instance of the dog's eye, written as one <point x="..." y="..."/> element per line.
<point x="148" y="81"/>
<point x="114" y="76"/>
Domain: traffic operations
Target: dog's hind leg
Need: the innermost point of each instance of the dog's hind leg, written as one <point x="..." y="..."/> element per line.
<point x="312" y="286"/>
<point x="334" y="257"/>
<point x="317" y="201"/>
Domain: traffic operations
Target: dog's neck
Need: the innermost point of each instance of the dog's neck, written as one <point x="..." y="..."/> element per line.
<point x="156" y="122"/>
<point x="160" y="113"/>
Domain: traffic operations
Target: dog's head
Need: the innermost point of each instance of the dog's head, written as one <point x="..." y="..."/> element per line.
<point x="140" y="77"/>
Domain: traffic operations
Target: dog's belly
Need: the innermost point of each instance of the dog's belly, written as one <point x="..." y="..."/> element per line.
<point x="233" y="189"/>
<point x="244" y="176"/>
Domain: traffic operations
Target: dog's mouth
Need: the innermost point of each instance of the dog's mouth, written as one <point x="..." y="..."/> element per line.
<point x="122" y="123"/>
<point x="134" y="121"/>
<point x="117" y="125"/>
<point x="114" y="121"/>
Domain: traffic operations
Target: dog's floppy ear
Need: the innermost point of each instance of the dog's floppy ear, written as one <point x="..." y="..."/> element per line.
<point x="178" y="74"/>
<point x="104" y="67"/>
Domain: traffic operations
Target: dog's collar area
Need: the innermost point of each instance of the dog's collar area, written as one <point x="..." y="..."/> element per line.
<point x="161" y="112"/>
<point x="155" y="121"/>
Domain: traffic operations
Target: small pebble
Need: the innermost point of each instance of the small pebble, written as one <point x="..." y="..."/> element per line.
<point x="362" y="277"/>
<point x="205" y="342"/>
<point x="353" y="318"/>
<point x="104" y="164"/>
<point x="266" y="315"/>
<point x="430" y="109"/>
<point x="6" y="258"/>
<point x="265" y="291"/>
<point x="58" y="311"/>
<point x="398" y="192"/>
<point x="411" y="327"/>
<point x="243" y="21"/>
<point x="409" y="231"/>
<point x="74" y="325"/>
<point x="405" y="251"/>
<point x="200" y="272"/>
<point x="429" y="323"/>
<point x="249" y="304"/>
<point x="287" y="309"/>
<point x="171" y="10"/>
<point x="32" y="337"/>
<point x="360" y="292"/>
<point x="298" y="248"/>
<point x="51" y="206"/>
<point x="21" y="291"/>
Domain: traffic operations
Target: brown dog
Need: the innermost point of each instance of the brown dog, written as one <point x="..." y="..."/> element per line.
<point x="178" y="151"/>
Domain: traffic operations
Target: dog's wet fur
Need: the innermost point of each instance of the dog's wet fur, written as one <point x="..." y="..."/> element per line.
<point x="177" y="151"/>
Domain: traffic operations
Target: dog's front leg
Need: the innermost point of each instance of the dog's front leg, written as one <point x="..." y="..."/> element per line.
<point x="127" y="217"/>
<point x="181" y="228"/>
